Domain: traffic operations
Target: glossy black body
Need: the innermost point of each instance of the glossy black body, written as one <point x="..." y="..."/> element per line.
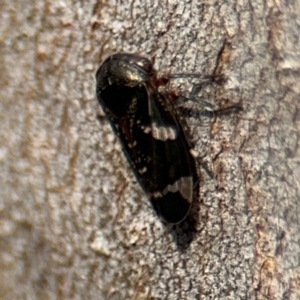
<point x="150" y="132"/>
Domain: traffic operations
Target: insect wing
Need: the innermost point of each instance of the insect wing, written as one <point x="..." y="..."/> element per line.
<point x="156" y="147"/>
<point x="173" y="171"/>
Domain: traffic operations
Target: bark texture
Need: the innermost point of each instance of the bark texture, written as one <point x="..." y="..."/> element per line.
<point x="74" y="222"/>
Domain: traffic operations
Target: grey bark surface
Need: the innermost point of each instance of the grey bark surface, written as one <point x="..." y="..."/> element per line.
<point x="74" y="223"/>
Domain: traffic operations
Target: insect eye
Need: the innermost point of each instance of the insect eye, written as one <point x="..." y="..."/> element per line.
<point x="144" y="65"/>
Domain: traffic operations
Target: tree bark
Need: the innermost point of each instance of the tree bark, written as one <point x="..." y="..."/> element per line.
<point x="74" y="222"/>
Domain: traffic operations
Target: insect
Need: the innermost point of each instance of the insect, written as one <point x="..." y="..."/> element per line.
<point x="151" y="134"/>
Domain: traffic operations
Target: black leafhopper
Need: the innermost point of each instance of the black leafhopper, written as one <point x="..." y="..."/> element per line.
<point x="151" y="134"/>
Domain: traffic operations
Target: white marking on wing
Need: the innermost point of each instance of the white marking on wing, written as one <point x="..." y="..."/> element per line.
<point x="183" y="185"/>
<point x="163" y="133"/>
<point x="142" y="171"/>
<point x="147" y="130"/>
